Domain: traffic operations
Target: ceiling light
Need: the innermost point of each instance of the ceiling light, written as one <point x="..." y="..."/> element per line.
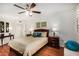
<point x="30" y="14"/>
<point x="78" y="10"/>
<point x="26" y="13"/>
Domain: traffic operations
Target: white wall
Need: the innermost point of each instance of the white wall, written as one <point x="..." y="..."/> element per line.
<point x="77" y="18"/>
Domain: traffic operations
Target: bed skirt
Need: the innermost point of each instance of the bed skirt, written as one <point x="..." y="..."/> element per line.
<point x="16" y="52"/>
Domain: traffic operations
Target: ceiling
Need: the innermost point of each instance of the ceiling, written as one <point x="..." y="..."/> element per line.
<point x="7" y="9"/>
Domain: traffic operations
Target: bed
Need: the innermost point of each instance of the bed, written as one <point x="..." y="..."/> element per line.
<point x="29" y="45"/>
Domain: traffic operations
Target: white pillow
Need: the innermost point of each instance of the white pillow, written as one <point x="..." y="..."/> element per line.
<point x="44" y="34"/>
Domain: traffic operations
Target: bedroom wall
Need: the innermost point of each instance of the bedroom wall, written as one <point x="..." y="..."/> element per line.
<point x="77" y="18"/>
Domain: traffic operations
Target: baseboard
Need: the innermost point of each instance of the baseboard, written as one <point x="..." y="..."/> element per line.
<point x="3" y="44"/>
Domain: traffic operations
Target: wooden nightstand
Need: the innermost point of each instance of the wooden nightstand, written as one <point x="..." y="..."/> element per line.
<point x="29" y="35"/>
<point x="53" y="42"/>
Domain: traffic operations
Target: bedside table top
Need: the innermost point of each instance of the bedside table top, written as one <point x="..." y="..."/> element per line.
<point x="53" y="37"/>
<point x="28" y="34"/>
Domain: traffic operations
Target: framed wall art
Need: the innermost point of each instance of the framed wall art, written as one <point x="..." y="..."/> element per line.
<point x="43" y="24"/>
<point x="7" y="27"/>
<point x="1" y="26"/>
<point x="38" y="25"/>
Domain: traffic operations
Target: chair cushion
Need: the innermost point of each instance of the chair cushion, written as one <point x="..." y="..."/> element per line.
<point x="72" y="45"/>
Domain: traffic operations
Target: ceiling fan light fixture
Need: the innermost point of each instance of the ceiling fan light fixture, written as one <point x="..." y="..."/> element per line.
<point x="27" y="13"/>
<point x="28" y="9"/>
<point x="30" y="13"/>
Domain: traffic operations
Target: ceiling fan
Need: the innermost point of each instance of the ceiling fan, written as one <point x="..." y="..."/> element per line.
<point x="28" y="9"/>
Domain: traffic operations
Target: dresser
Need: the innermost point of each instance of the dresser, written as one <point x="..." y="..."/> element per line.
<point x="2" y="37"/>
<point x="29" y="35"/>
<point x="53" y="42"/>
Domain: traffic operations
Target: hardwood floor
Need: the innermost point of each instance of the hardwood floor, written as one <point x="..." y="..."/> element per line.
<point x="49" y="51"/>
<point x="45" y="51"/>
<point x="5" y="51"/>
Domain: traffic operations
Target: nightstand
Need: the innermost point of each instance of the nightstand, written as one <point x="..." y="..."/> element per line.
<point x="53" y="42"/>
<point x="29" y="35"/>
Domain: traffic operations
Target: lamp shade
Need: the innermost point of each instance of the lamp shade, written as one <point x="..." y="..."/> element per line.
<point x="54" y="29"/>
<point x="31" y="30"/>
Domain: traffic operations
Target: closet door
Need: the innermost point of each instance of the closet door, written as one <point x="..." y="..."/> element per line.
<point x="18" y="31"/>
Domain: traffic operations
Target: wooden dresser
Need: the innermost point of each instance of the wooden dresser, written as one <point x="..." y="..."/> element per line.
<point x="53" y="42"/>
<point x="29" y="35"/>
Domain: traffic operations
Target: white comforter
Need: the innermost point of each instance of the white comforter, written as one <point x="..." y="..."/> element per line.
<point x="28" y="45"/>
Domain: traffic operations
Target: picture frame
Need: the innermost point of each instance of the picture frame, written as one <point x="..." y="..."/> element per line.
<point x="38" y="25"/>
<point x="1" y="26"/>
<point x="43" y="24"/>
<point x="7" y="27"/>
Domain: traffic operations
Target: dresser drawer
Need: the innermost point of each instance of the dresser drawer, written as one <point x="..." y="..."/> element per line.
<point x="53" y="42"/>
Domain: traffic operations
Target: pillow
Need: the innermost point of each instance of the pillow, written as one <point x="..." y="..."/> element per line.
<point x="44" y="34"/>
<point x="37" y="34"/>
<point x="72" y="45"/>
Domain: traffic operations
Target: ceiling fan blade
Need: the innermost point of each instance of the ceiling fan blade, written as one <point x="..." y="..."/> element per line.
<point x="27" y="5"/>
<point x="21" y="12"/>
<point x="19" y="6"/>
<point x="32" y="5"/>
<point x="36" y="12"/>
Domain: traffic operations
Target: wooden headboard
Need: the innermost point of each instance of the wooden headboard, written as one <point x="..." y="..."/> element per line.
<point x="42" y="30"/>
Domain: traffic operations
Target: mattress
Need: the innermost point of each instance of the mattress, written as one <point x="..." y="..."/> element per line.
<point x="68" y="52"/>
<point x="22" y="45"/>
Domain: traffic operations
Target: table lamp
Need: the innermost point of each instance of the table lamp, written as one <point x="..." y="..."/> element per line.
<point x="54" y="29"/>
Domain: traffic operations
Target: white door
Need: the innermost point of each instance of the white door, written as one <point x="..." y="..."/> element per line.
<point x="18" y="31"/>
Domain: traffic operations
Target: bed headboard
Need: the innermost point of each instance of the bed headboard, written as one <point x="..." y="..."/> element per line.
<point x="42" y="30"/>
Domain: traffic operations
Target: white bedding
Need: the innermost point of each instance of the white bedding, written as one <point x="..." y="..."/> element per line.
<point x="28" y="45"/>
